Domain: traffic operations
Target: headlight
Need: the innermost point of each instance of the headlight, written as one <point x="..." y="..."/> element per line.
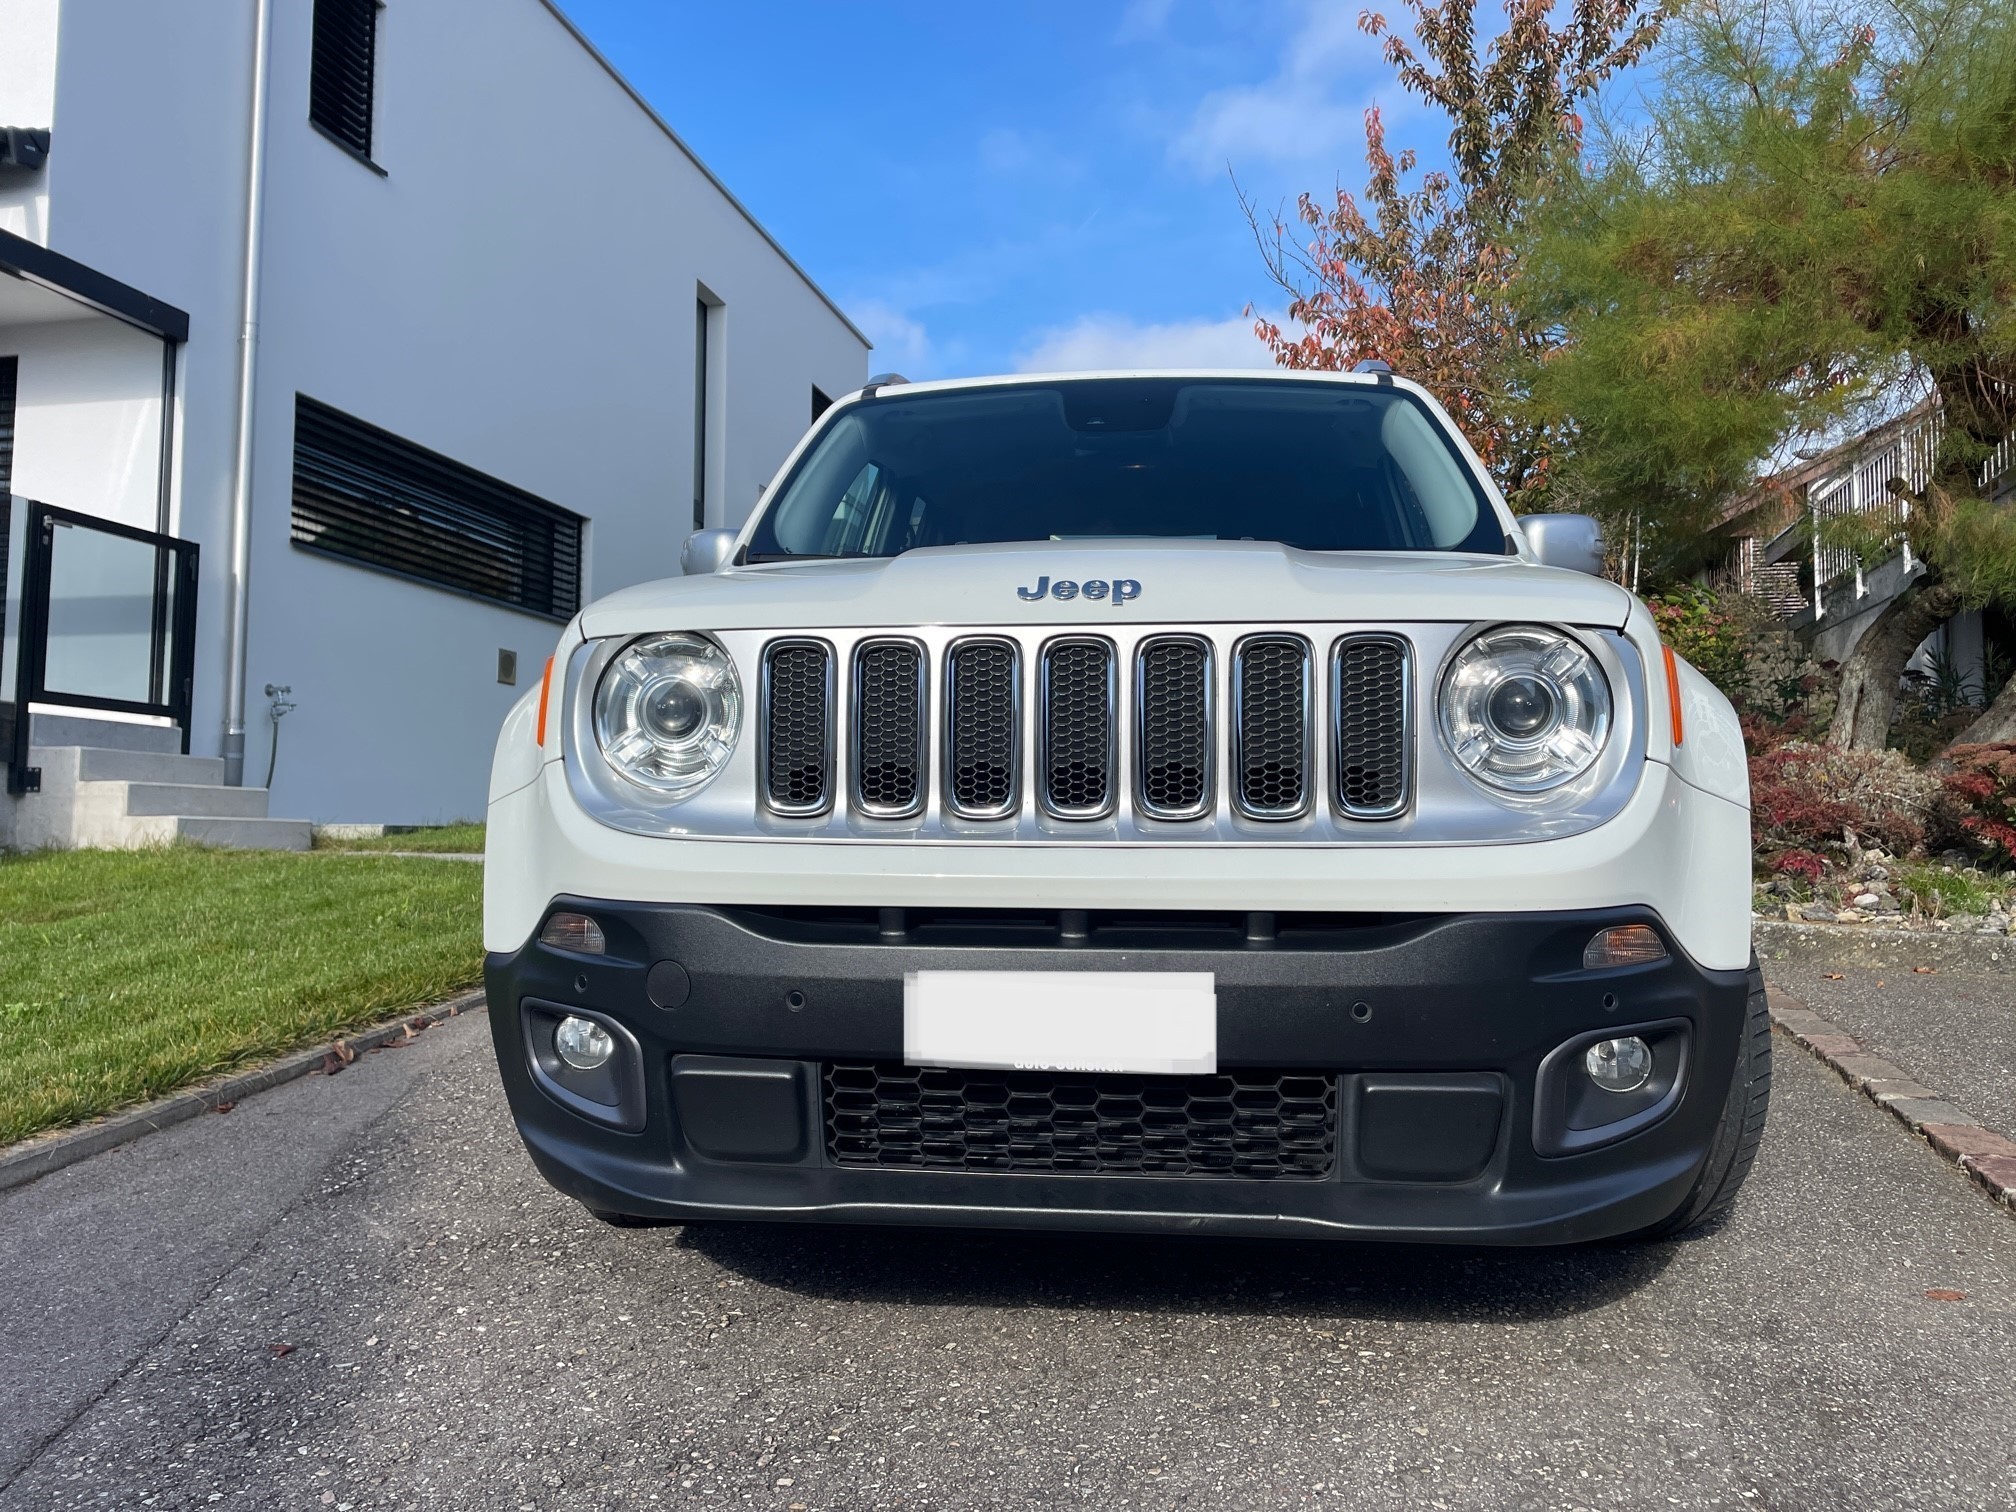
<point x="1525" y="708"/>
<point x="668" y="711"/>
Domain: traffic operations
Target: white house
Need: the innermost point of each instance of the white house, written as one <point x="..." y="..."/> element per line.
<point x="418" y="322"/>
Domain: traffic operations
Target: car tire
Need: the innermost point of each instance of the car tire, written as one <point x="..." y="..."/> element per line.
<point x="626" y="1220"/>
<point x="1740" y="1131"/>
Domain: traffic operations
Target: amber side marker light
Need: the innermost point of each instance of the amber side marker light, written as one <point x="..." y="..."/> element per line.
<point x="1623" y="945"/>
<point x="546" y="688"/>
<point x="575" y="932"/>
<point x="1673" y="695"/>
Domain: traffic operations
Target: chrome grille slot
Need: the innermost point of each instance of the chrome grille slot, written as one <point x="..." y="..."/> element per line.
<point x="797" y="714"/>
<point x="1371" y="701"/>
<point x="1173" y="734"/>
<point x="888" y="728"/>
<point x="983" y="728"/>
<point x="1271" y="753"/>
<point x="1076" y="728"/>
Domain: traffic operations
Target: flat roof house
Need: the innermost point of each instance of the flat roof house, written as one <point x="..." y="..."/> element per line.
<point x="347" y="348"/>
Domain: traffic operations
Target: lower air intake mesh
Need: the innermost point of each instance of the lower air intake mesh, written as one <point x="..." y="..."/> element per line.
<point x="1259" y="1125"/>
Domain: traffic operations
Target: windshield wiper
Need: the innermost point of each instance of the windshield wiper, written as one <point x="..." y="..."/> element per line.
<point x="756" y="557"/>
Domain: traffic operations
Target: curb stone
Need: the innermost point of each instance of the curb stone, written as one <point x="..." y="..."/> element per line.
<point x="1989" y="1158"/>
<point x="42" y="1154"/>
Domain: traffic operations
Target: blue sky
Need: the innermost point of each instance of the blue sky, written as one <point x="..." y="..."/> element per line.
<point x="1029" y="184"/>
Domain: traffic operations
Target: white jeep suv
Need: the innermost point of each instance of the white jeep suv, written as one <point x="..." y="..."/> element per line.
<point x="1174" y="802"/>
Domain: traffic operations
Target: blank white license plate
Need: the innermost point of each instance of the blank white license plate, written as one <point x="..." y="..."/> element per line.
<point x="1154" y="1023"/>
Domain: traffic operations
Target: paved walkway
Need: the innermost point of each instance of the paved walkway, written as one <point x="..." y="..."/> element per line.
<point x="354" y="1293"/>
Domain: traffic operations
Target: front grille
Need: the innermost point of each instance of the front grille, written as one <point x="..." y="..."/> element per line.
<point x="889" y="728"/>
<point x="1173" y="755"/>
<point x="1271" y="726"/>
<point x="1252" y="1124"/>
<point x="873" y="720"/>
<point x="1369" y="704"/>
<point x="1077" y="754"/>
<point x="797" y="726"/>
<point x="983" y="729"/>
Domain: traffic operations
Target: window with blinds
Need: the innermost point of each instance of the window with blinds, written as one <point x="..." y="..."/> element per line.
<point x="340" y="71"/>
<point x="9" y="377"/>
<point x="368" y="496"/>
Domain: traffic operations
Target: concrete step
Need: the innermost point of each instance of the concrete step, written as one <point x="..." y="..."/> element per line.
<point x="246" y="834"/>
<point x="100" y="764"/>
<point x="110" y="734"/>
<point x="194" y="800"/>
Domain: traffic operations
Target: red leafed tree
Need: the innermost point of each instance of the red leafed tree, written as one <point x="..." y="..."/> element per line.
<point x="1418" y="274"/>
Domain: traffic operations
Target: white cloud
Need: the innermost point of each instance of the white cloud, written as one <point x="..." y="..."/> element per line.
<point x="902" y="345"/>
<point x="1114" y="341"/>
<point x="1296" y="115"/>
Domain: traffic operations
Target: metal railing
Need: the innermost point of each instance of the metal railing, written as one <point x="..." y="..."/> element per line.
<point x="98" y="616"/>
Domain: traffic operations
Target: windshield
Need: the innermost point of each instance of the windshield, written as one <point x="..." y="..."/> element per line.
<point x="1319" y="465"/>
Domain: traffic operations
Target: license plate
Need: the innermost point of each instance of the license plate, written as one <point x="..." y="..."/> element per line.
<point x="1150" y="1023"/>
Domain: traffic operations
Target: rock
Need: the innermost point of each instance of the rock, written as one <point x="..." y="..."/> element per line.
<point x="1779" y="887"/>
<point x="1866" y="900"/>
<point x="1819" y="913"/>
<point x="1875" y="874"/>
<point x="1848" y="916"/>
<point x="1889" y="905"/>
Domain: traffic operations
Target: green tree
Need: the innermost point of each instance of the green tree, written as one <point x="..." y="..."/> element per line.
<point x="1817" y="222"/>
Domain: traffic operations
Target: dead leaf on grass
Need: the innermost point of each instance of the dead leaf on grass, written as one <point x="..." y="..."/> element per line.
<point x="1832" y="976"/>
<point x="223" y="1107"/>
<point x="1944" y="1294"/>
<point x="1925" y="971"/>
<point x="280" y="1351"/>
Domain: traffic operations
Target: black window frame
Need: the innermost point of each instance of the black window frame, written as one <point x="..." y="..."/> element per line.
<point x="398" y="508"/>
<point x="343" y="75"/>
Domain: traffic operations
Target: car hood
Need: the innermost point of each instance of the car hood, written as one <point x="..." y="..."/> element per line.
<point x="1181" y="582"/>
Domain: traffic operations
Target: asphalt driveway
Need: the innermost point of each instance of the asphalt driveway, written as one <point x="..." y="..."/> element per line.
<point x="354" y="1292"/>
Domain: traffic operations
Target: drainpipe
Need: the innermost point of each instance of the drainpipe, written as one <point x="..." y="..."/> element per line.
<point x="239" y="586"/>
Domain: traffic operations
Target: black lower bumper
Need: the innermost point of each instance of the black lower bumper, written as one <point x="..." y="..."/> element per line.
<point x="1424" y="1075"/>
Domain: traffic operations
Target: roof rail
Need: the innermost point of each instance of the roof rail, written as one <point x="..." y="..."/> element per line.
<point x="1372" y="365"/>
<point x="885" y="378"/>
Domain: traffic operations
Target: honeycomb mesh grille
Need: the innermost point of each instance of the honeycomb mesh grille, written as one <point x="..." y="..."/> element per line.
<point x="1078" y="726"/>
<point x="1174" y="685"/>
<point x="794" y="754"/>
<point x="1260" y="1125"/>
<point x="1371" y="715"/>
<point x="1273" y="726"/>
<point x="889" y="727"/>
<point x="983" y="728"/>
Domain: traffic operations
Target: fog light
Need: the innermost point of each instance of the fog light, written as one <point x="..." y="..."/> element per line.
<point x="586" y="1045"/>
<point x="1623" y="945"/>
<point x="575" y="932"/>
<point x="1615" y="1065"/>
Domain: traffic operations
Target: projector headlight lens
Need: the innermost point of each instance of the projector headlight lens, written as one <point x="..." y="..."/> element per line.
<point x="668" y="713"/>
<point x="1525" y="708"/>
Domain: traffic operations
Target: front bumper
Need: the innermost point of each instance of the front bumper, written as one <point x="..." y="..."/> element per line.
<point x="1399" y="1010"/>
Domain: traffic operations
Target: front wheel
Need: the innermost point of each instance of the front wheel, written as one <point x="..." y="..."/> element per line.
<point x="1740" y="1131"/>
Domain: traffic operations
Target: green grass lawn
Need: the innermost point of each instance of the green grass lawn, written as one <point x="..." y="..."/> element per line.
<point x="437" y="839"/>
<point x="127" y="974"/>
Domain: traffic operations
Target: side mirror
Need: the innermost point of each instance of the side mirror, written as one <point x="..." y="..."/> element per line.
<point x="707" y="551"/>
<point x="1566" y="540"/>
